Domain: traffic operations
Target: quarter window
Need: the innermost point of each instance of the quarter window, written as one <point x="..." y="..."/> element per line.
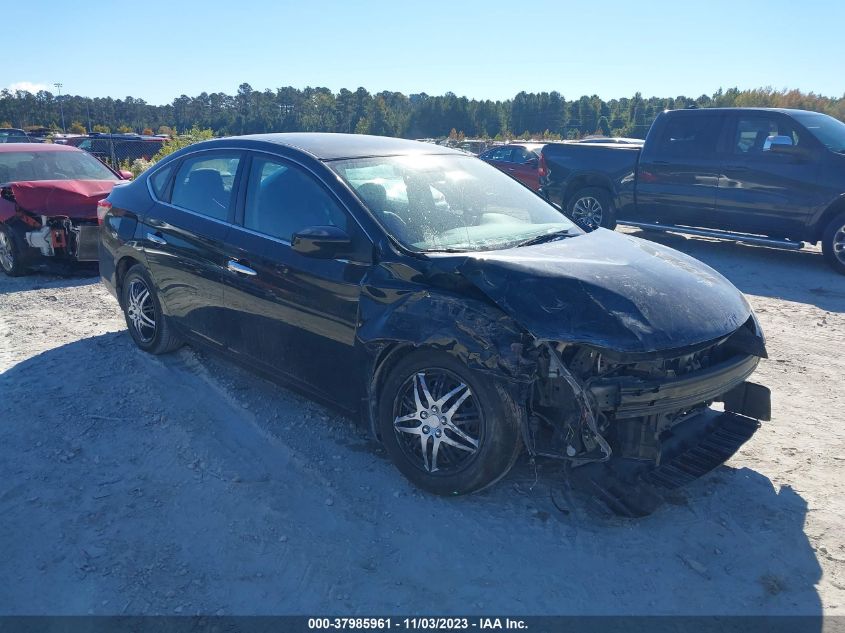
<point x="159" y="181"/>
<point x="204" y="184"/>
<point x="282" y="199"/>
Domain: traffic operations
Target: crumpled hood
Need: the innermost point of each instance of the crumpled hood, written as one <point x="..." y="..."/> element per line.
<point x="73" y="198"/>
<point x="609" y="290"/>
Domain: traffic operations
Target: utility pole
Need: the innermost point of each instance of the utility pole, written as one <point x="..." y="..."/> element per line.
<point x="58" y="86"/>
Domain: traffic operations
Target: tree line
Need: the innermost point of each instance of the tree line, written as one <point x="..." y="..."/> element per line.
<point x="546" y="114"/>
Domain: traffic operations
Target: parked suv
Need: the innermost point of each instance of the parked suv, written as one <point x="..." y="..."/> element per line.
<point x="766" y="176"/>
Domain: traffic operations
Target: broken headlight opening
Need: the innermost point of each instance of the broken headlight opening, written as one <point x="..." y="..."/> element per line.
<point x="60" y="236"/>
<point x="588" y="405"/>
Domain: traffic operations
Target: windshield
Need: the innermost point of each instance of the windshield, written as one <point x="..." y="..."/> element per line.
<point x="828" y="130"/>
<point x="451" y="203"/>
<point x="53" y="165"/>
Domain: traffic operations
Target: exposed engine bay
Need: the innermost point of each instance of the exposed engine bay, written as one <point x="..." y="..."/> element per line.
<point x="651" y="412"/>
<point x="62" y="237"/>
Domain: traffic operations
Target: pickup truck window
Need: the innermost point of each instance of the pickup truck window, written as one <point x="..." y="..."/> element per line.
<point x="690" y="136"/>
<point x="825" y="128"/>
<point x="753" y="132"/>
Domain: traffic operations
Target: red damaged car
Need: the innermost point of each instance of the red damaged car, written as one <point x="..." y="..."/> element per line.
<point x="48" y="204"/>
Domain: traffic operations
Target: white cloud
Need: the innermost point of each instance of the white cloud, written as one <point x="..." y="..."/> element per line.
<point x="27" y="86"/>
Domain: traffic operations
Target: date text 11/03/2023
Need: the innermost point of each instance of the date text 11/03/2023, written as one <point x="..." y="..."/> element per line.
<point x="418" y="623"/>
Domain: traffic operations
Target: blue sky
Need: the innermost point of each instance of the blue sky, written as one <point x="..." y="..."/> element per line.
<point x="158" y="50"/>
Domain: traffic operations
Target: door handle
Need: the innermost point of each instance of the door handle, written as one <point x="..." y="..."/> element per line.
<point x="511" y="169"/>
<point x="155" y="238"/>
<point x="237" y="267"/>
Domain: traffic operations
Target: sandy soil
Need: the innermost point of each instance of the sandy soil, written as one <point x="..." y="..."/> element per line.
<point x="182" y="484"/>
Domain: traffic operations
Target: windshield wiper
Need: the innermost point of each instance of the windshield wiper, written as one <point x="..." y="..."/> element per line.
<point x="446" y="250"/>
<point x="545" y="237"/>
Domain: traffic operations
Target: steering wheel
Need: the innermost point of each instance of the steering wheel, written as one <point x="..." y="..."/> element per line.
<point x="395" y="217"/>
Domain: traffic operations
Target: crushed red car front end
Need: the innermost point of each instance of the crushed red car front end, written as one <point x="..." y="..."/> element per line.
<point x="54" y="218"/>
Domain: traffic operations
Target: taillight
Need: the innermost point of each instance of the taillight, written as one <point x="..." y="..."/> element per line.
<point x="541" y="167"/>
<point x="103" y="207"/>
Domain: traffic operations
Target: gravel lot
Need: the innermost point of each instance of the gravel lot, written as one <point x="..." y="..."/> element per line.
<point x="182" y="484"/>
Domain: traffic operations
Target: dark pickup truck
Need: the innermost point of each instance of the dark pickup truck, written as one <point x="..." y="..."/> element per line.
<point x="756" y="175"/>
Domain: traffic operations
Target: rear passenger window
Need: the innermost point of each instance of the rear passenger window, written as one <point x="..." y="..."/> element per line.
<point x="204" y="184"/>
<point x="691" y="136"/>
<point x="501" y="154"/>
<point x="282" y="199"/>
<point x="159" y="181"/>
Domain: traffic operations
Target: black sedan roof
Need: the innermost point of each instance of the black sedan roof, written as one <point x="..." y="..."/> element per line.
<point x="328" y="146"/>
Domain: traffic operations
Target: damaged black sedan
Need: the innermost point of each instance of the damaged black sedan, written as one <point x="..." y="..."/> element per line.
<point x="461" y="314"/>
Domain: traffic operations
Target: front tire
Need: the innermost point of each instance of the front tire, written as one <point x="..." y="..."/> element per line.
<point x="447" y="429"/>
<point x="10" y="255"/>
<point x="833" y="243"/>
<point x="592" y="206"/>
<point x="148" y="326"/>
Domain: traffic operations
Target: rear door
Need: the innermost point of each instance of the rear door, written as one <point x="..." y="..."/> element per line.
<point x="184" y="238"/>
<point x="678" y="171"/>
<point x="288" y="313"/>
<point x="524" y="167"/>
<point x="766" y="192"/>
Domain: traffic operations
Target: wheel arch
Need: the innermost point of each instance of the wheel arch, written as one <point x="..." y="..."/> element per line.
<point x="480" y="335"/>
<point x="833" y="209"/>
<point x="121" y="268"/>
<point x="584" y="180"/>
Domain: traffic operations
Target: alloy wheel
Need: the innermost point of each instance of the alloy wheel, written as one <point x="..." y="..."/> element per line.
<point x="7" y="254"/>
<point x="140" y="310"/>
<point x="437" y="421"/>
<point x="589" y="208"/>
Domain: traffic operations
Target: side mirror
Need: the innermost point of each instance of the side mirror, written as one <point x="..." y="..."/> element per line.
<point x="126" y="175"/>
<point x="321" y="242"/>
<point x="789" y="150"/>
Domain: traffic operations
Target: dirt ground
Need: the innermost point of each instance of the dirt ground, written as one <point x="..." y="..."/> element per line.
<point x="181" y="484"/>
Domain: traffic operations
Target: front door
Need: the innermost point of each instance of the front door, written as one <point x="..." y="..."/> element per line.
<point x="762" y="191"/>
<point x="286" y="312"/>
<point x="184" y="242"/>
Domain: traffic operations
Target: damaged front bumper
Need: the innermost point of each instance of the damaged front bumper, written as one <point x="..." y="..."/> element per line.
<point x="586" y="409"/>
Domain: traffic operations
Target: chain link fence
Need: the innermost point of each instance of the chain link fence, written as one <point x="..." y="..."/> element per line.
<point x="119" y="151"/>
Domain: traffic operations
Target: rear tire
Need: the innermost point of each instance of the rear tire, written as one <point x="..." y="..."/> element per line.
<point x="10" y="255"/>
<point x="833" y="243"/>
<point x="451" y="433"/>
<point x="148" y="326"/>
<point x="594" y="205"/>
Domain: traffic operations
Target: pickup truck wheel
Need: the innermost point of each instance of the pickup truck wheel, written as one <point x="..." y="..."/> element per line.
<point x="10" y="257"/>
<point x="448" y="429"/>
<point x="148" y="326"/>
<point x="833" y="243"/>
<point x="592" y="205"/>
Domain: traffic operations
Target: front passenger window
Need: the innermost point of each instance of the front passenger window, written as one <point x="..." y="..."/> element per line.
<point x="282" y="199"/>
<point x="204" y="184"/>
